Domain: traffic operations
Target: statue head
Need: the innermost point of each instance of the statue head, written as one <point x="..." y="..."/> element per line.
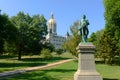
<point x="84" y="16"/>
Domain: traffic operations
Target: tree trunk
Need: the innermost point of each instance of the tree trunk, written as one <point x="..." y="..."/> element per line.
<point x="19" y="53"/>
<point x="110" y="61"/>
<point x="104" y="59"/>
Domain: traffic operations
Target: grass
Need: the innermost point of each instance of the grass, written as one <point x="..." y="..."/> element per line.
<point x="62" y="72"/>
<point x="66" y="72"/>
<point x="8" y="63"/>
<point x="109" y="72"/>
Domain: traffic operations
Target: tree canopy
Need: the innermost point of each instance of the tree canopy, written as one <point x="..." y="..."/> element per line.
<point x="71" y="44"/>
<point x="22" y="34"/>
<point x="111" y="36"/>
<point x="7" y="31"/>
<point x="30" y="31"/>
<point x="108" y="44"/>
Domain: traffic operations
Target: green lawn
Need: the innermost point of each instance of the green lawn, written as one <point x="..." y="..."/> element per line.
<point x="8" y="63"/>
<point x="109" y="72"/>
<point x="66" y="72"/>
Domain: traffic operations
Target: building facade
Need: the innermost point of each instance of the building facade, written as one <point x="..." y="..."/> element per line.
<point x="52" y="36"/>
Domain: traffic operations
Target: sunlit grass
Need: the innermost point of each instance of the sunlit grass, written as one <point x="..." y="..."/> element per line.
<point x="107" y="71"/>
<point x="8" y="63"/>
<point x="66" y="72"/>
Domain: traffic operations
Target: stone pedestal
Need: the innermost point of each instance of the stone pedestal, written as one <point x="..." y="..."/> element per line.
<point x="86" y="63"/>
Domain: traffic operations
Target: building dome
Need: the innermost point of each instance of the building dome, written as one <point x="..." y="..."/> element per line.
<point x="52" y="20"/>
<point x="52" y="36"/>
<point x="52" y="25"/>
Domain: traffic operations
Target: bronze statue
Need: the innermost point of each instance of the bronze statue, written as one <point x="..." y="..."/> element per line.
<point x="83" y="28"/>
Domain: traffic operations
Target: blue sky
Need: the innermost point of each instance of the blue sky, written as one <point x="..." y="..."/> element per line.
<point x="65" y="11"/>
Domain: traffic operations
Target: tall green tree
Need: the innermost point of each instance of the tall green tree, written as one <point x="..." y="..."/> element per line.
<point x="95" y="37"/>
<point x="21" y="22"/>
<point x="108" y="48"/>
<point x="7" y="31"/>
<point x="30" y="31"/>
<point x="38" y="31"/>
<point x="75" y="38"/>
<point x="111" y="36"/>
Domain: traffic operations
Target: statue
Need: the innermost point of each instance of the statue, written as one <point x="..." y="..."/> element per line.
<point x="83" y="28"/>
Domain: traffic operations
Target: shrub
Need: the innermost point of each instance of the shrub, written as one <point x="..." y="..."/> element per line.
<point x="59" y="51"/>
<point x="46" y="53"/>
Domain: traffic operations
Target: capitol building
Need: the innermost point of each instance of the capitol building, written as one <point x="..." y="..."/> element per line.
<point x="52" y="36"/>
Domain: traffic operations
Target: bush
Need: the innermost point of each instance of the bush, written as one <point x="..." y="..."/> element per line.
<point x="116" y="60"/>
<point x="46" y="53"/>
<point x="59" y="51"/>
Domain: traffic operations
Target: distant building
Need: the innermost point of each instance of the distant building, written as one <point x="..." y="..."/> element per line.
<point x="52" y="36"/>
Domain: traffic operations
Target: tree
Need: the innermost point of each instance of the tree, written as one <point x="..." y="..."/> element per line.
<point x="38" y="31"/>
<point x="49" y="46"/>
<point x="92" y="38"/>
<point x="74" y="40"/>
<point x="108" y="47"/>
<point x="7" y="32"/>
<point x="30" y="31"/>
<point x="21" y="22"/>
<point x="95" y="37"/>
<point x="3" y="20"/>
<point x="111" y="36"/>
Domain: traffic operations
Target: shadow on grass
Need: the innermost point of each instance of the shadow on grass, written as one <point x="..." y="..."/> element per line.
<point x="45" y="77"/>
<point x="100" y="62"/>
<point x="34" y="76"/>
<point x="109" y="79"/>
<point x="43" y="59"/>
<point x="60" y="70"/>
<point x="42" y="75"/>
<point x="6" y="56"/>
<point x="11" y="62"/>
<point x="8" y="65"/>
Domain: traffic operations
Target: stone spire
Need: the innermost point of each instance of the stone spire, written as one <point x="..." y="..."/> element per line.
<point x="67" y="35"/>
<point x="0" y="11"/>
<point x="52" y="17"/>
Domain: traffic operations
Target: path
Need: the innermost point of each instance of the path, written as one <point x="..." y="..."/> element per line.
<point x="18" y="72"/>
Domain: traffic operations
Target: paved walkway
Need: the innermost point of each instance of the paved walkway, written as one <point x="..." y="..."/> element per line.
<point x="18" y="72"/>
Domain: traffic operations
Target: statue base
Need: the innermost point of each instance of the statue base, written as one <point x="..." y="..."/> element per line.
<point x="86" y="64"/>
